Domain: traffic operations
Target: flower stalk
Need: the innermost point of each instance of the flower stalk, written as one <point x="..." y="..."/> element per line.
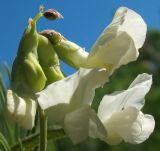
<point x="43" y="129"/>
<point x="32" y="141"/>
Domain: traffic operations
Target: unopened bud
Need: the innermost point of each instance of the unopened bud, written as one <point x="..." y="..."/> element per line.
<point x="52" y="35"/>
<point x="52" y="14"/>
<point x="48" y="60"/>
<point x="27" y="73"/>
<point x="68" y="51"/>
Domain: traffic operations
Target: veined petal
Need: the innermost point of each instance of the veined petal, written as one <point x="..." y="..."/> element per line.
<point x="82" y="123"/>
<point x="127" y="26"/>
<point x="75" y="90"/>
<point x="133" y="96"/>
<point x="22" y="110"/>
<point x="129" y="124"/>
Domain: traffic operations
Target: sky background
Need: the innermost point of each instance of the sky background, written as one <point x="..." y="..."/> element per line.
<point x="83" y="22"/>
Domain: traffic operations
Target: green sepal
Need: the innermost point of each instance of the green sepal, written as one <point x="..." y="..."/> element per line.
<point x="34" y="74"/>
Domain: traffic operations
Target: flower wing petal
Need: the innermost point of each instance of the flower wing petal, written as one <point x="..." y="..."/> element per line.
<point x="22" y="110"/>
<point x="96" y="127"/>
<point x="82" y="123"/>
<point x="76" y="124"/>
<point x="133" y="96"/>
<point x="131" y="125"/>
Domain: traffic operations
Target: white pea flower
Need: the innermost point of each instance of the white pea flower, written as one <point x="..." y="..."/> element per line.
<point x="117" y="45"/>
<point x="118" y="118"/>
<point x="121" y="116"/>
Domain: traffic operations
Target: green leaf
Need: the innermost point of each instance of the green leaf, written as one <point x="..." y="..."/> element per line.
<point x="4" y="143"/>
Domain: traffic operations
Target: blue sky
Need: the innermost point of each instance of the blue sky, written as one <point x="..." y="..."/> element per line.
<point x="83" y="21"/>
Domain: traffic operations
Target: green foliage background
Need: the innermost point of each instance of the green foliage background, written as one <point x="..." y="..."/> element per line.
<point x="148" y="61"/>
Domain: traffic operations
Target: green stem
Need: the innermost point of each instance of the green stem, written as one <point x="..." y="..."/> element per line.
<point x="43" y="129"/>
<point x="33" y="140"/>
<point x="20" y="145"/>
<point x="39" y="15"/>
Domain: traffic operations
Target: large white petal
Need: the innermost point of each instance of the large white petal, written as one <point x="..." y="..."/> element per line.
<point x="82" y="123"/>
<point x="22" y="110"/>
<point x="131" y="125"/>
<point x="123" y="37"/>
<point x="71" y="93"/>
<point x="133" y="96"/>
<point x="75" y="90"/>
<point x="111" y="54"/>
<point x="132" y="23"/>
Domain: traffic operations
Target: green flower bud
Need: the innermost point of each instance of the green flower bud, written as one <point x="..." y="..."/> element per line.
<point x="26" y="71"/>
<point x="48" y="60"/>
<point x="68" y="51"/>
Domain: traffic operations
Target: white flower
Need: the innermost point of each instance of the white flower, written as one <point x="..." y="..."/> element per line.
<point x="118" y="118"/>
<point x="121" y="116"/>
<point x="117" y="45"/>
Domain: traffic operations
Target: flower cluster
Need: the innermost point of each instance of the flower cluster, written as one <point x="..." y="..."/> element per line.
<point x="67" y="100"/>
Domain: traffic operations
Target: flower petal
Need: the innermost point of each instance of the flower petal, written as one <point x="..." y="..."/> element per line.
<point x="131" y="125"/>
<point x="132" y="23"/>
<point x="76" y="89"/>
<point x="133" y="96"/>
<point x="22" y="110"/>
<point x="57" y="113"/>
<point x="119" y="41"/>
<point x="110" y="54"/>
<point x="76" y="124"/>
<point x="82" y="123"/>
<point x="96" y="127"/>
<point x="71" y="93"/>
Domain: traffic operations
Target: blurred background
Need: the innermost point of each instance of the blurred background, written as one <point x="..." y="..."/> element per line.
<point x="83" y="22"/>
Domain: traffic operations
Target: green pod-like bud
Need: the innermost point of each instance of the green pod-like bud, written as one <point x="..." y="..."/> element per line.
<point x="48" y="60"/>
<point x="68" y="51"/>
<point x="26" y="71"/>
